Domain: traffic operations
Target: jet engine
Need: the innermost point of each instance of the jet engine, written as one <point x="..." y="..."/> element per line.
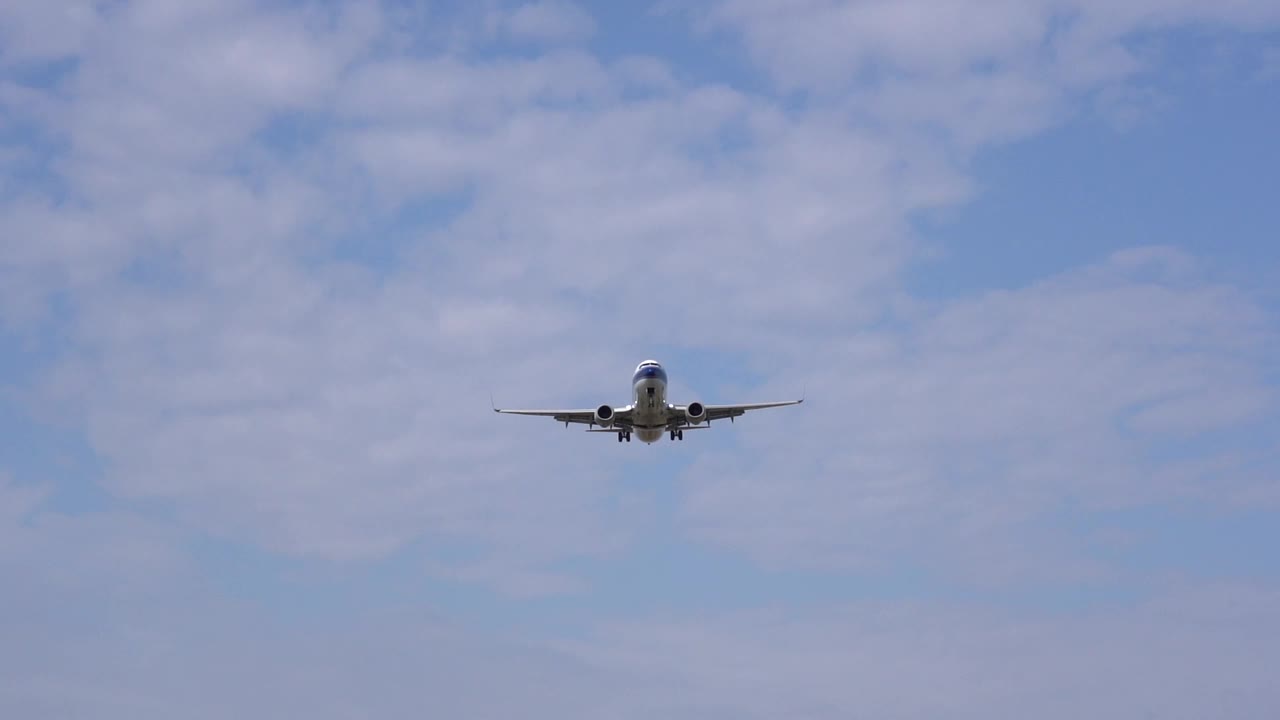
<point x="695" y="413"/>
<point x="604" y="416"/>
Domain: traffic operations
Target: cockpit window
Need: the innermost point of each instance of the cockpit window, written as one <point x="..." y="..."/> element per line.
<point x="650" y="369"/>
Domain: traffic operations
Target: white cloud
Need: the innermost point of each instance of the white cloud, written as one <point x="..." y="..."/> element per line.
<point x="228" y="362"/>
<point x="1187" y="654"/>
<point x="242" y="368"/>
<point x="273" y="394"/>
<point x="951" y="439"/>
<point x="102" y="615"/>
<point x="308" y="416"/>
<point x="36" y="31"/>
<point x="51" y="554"/>
<point x="447" y="91"/>
<point x="547" y="21"/>
<point x="164" y="102"/>
<point x="186" y="87"/>
<point x="825" y="42"/>
<point x="831" y="41"/>
<point x="974" y="70"/>
<point x="113" y="622"/>
<point x="1269" y="66"/>
<point x="17" y="502"/>
<point x="221" y="370"/>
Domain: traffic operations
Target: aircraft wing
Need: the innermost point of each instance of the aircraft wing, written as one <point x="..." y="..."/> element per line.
<point x="720" y="412"/>
<point x="622" y="416"/>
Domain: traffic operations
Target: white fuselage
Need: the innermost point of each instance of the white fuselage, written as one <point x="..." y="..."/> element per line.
<point x="649" y="398"/>
<point x="649" y="414"/>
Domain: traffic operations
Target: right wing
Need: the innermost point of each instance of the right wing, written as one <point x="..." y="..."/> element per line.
<point x="621" y="416"/>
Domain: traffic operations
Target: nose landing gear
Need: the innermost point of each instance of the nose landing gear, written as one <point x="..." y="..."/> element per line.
<point x="624" y="434"/>
<point x="677" y="435"/>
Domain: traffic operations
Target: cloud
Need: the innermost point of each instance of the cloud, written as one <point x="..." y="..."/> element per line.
<point x="286" y="253"/>
<point x="104" y="615"/>
<point x="944" y="443"/>
<point x="114" y="621"/>
<point x="547" y="21"/>
<point x="238" y="354"/>
<point x="1269" y="65"/>
<point x="829" y="41"/>
<point x="975" y="72"/>
<point x="1189" y="653"/>
<point x="34" y="32"/>
<point x="56" y="555"/>
<point x="833" y="41"/>
<point x="161" y="105"/>
<point x="306" y="414"/>
<point x="458" y="95"/>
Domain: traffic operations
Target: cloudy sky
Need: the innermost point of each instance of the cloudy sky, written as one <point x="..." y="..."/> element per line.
<point x="262" y="264"/>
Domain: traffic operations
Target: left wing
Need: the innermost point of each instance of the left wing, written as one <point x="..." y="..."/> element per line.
<point x="720" y="412"/>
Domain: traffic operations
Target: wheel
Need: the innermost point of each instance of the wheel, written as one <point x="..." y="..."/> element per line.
<point x="628" y="437"/>
<point x="619" y="437"/>
<point x="673" y="436"/>
<point x="680" y="434"/>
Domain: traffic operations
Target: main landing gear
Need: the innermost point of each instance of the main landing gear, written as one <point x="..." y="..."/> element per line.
<point x="677" y="435"/>
<point x="624" y="434"/>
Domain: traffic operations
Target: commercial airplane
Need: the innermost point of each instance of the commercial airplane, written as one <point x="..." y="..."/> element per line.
<point x="649" y="415"/>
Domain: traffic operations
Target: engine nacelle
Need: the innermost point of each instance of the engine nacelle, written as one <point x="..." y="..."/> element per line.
<point x="604" y="416"/>
<point x="695" y="413"/>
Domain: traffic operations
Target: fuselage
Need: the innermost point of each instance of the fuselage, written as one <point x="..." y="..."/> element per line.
<point x="649" y="414"/>
<point x="649" y="398"/>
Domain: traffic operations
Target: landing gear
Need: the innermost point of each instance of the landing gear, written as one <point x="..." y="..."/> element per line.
<point x="677" y="435"/>
<point x="624" y="434"/>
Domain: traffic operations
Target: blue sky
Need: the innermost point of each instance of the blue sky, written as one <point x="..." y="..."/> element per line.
<point x="262" y="265"/>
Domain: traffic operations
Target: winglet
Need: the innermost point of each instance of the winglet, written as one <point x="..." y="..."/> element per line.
<point x="803" y="391"/>
<point x="491" y="403"/>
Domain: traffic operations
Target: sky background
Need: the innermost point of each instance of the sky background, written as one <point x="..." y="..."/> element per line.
<point x="263" y="264"/>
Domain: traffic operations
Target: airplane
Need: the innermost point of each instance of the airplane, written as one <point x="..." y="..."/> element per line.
<point x="650" y="415"/>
